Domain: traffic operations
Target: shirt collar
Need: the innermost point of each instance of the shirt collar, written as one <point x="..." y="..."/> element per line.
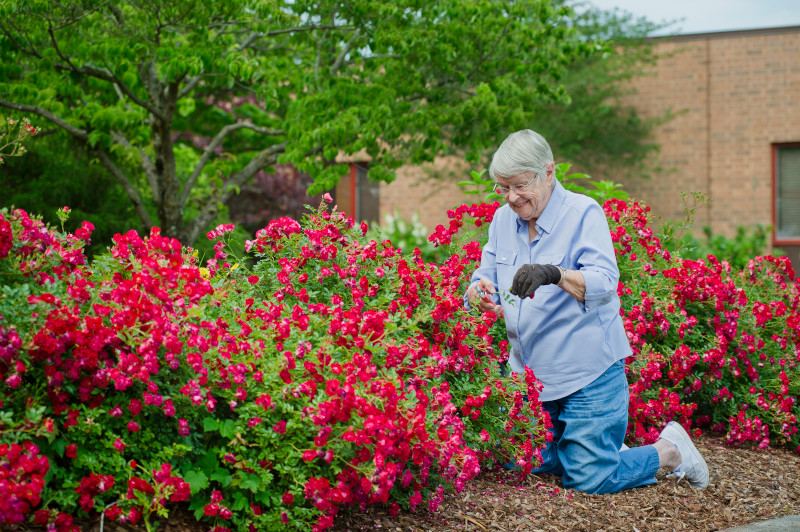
<point x="548" y="218"/>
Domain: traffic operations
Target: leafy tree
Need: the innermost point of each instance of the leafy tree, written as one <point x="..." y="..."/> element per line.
<point x="595" y="128"/>
<point x="277" y="82"/>
<point x="53" y="175"/>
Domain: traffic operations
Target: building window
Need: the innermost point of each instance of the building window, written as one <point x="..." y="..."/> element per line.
<point x="787" y="193"/>
<point x="357" y="195"/>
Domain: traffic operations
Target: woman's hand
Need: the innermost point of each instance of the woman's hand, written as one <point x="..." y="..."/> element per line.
<point x="531" y="276"/>
<point x="479" y="296"/>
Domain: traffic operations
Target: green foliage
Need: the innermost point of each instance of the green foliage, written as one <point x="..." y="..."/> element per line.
<point x="678" y="237"/>
<point x="479" y="183"/>
<point x="56" y="173"/>
<point x="715" y="344"/>
<point x="674" y="233"/>
<point x="335" y="371"/>
<point x="738" y="251"/>
<point x="407" y="235"/>
<point x="291" y="82"/>
<point x="12" y="134"/>
<point x="594" y="128"/>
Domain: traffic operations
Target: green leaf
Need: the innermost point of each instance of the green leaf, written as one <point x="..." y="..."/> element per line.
<point x="186" y="107"/>
<point x="228" y="429"/>
<point x="197" y="481"/>
<point x="251" y="482"/>
<point x="210" y="424"/>
<point x="240" y="502"/>
<point x="95" y="137"/>
<point x="223" y="477"/>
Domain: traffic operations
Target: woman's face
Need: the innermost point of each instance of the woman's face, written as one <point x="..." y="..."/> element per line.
<point x="531" y="201"/>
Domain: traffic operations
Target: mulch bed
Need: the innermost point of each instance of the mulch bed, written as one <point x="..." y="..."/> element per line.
<point x="746" y="486"/>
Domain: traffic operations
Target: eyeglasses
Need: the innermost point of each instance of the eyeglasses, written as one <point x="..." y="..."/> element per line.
<point x="519" y="189"/>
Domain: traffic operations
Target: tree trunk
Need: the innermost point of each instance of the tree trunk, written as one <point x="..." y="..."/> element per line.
<point x="168" y="203"/>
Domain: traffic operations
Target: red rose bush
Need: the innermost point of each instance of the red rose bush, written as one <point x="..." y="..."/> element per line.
<point x="715" y="348"/>
<point x="317" y="371"/>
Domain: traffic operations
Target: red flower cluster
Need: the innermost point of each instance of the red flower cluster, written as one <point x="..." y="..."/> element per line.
<point x="480" y="213"/>
<point x="90" y="487"/>
<point x="343" y="369"/>
<point x="6" y="237"/>
<point x="703" y="331"/>
<point x="418" y="432"/>
<point x="22" y="472"/>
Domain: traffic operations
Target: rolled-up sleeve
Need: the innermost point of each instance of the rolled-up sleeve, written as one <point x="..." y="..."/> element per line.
<point x="595" y="258"/>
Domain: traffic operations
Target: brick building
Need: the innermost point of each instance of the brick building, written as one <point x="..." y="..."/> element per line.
<point x="735" y="137"/>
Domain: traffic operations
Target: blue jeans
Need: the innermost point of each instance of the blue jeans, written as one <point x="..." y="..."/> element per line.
<point x="588" y="429"/>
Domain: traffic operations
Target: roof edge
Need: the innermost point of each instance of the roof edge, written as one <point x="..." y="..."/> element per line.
<point x="725" y="34"/>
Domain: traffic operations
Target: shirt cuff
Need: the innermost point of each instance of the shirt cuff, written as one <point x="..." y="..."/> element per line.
<point x="597" y="290"/>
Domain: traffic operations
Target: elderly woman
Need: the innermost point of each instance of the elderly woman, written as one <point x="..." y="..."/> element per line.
<point x="552" y="249"/>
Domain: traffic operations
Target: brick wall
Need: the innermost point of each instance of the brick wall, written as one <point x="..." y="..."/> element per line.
<point x="733" y="95"/>
<point x="428" y="191"/>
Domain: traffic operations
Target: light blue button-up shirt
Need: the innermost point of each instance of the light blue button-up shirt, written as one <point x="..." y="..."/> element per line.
<point x="565" y="342"/>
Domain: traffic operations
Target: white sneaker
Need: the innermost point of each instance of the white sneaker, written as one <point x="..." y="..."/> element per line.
<point x="693" y="467"/>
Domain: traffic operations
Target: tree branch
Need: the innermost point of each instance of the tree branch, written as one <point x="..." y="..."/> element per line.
<point x="189" y="87"/>
<point x="255" y="37"/>
<point x="32" y="51"/>
<point x="147" y="162"/>
<point x="100" y="73"/>
<point x="306" y="28"/>
<point x="215" y="142"/>
<point x="149" y="76"/>
<point x="44" y="113"/>
<point x="106" y="75"/>
<point x="130" y="190"/>
<point x="249" y="41"/>
<point x="317" y="61"/>
<point x="211" y="209"/>
<point x="75" y="20"/>
<point x="260" y="161"/>
<point x="373" y="57"/>
<point x="345" y="50"/>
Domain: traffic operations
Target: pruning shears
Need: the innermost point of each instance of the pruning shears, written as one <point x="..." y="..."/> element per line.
<point x="485" y="296"/>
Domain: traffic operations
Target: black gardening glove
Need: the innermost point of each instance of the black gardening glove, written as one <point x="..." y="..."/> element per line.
<point x="532" y="276"/>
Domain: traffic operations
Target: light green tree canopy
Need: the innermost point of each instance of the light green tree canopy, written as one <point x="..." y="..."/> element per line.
<point x="184" y="101"/>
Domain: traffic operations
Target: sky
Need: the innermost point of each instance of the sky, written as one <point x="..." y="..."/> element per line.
<point x="701" y="16"/>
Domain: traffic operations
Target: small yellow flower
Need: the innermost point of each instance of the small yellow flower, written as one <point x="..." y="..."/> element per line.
<point x="205" y="273"/>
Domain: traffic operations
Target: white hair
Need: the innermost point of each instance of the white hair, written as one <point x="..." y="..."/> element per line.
<point x="523" y="151"/>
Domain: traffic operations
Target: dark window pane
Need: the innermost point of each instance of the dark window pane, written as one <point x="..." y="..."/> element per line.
<point x="788" y="192"/>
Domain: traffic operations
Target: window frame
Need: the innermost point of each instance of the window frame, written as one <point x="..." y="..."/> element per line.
<point x="776" y="240"/>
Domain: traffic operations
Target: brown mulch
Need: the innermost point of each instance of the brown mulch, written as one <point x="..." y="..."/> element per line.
<point x="746" y="486"/>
